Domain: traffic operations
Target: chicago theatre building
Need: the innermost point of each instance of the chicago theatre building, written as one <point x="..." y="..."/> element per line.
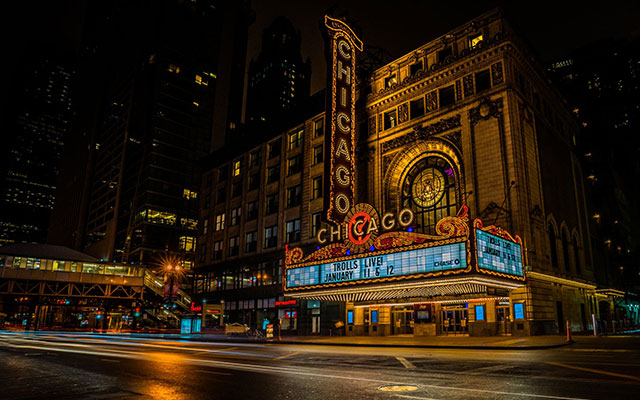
<point x="438" y="195"/>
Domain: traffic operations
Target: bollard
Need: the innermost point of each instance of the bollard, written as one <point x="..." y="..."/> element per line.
<point x="568" y="332"/>
<point x="595" y="328"/>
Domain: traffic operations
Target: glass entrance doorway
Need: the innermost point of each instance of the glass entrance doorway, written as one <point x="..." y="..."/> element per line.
<point x="402" y="320"/>
<point x="503" y="318"/>
<point x="454" y="321"/>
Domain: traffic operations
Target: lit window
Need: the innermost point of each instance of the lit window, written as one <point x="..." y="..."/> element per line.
<point x="187" y="243"/>
<point x="198" y="79"/>
<point x="219" y="222"/>
<point x="160" y="217"/>
<point x="236" y="168"/>
<point x="474" y="41"/>
<point x="174" y="68"/>
<point x="189" y="194"/>
<point x="316" y="188"/>
<point x="317" y="155"/>
<point x="189" y="223"/>
<point x="195" y="103"/>
<point x="390" y="80"/>
<point x="295" y="139"/>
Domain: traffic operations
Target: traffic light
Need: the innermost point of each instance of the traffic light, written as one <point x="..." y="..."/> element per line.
<point x="137" y="313"/>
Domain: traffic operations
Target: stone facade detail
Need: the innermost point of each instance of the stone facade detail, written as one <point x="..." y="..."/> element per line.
<point x="496" y="74"/>
<point x="372" y="125"/>
<point x="486" y="109"/>
<point x="403" y="112"/>
<point x="432" y="100"/>
<point x="468" y="85"/>
<point x="422" y="133"/>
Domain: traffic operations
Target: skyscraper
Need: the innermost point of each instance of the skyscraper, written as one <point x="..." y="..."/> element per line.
<point x="279" y="79"/>
<point x="156" y="122"/>
<point x="36" y="123"/>
<point x="602" y="84"/>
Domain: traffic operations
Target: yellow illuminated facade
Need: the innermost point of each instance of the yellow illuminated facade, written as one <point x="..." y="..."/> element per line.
<point x="463" y="131"/>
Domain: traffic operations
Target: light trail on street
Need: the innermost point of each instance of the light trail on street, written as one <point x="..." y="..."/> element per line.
<point x="117" y="366"/>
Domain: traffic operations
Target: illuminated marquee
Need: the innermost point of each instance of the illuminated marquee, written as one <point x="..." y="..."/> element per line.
<point x="497" y="252"/>
<point x="371" y="266"/>
<point x="367" y="253"/>
<point x="342" y="45"/>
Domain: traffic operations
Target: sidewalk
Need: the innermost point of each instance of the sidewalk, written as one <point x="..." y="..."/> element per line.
<point x="447" y="342"/>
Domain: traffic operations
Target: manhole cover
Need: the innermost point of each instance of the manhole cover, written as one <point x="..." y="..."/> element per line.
<point x="398" y="388"/>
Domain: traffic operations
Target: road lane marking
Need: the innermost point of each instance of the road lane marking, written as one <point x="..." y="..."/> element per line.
<point x="287" y="355"/>
<point x="109" y="360"/>
<point x="407" y="364"/>
<point x="213" y="372"/>
<point x="595" y="371"/>
<point x="406" y="396"/>
<point x="287" y="370"/>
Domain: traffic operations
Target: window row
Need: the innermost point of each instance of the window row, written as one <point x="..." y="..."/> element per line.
<point x="473" y="42"/>
<point x="292" y="234"/>
<point x="295" y="141"/>
<point x="263" y="274"/>
<point x="443" y="97"/>
<point x="294" y="166"/>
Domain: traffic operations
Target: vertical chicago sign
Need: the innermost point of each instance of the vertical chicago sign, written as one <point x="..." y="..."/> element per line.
<point x="342" y="47"/>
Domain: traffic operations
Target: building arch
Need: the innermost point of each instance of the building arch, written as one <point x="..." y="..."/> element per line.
<point x="405" y="159"/>
<point x="564" y="238"/>
<point x="552" y="235"/>
<point x="432" y="155"/>
<point x="577" y="245"/>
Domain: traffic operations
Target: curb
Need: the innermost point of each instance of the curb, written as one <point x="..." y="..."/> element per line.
<point x="421" y="346"/>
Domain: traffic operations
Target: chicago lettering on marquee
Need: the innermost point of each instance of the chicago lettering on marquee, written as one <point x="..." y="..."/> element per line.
<point x="342" y="47"/>
<point x="362" y="225"/>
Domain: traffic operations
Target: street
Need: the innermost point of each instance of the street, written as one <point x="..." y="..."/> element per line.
<point x="94" y="366"/>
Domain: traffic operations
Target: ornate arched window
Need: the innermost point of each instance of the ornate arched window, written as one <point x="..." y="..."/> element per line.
<point x="552" y="242"/>
<point x="429" y="189"/>
<point x="565" y="250"/>
<point x="576" y="255"/>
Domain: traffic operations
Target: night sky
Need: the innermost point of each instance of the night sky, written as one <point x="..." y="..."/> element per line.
<point x="553" y="28"/>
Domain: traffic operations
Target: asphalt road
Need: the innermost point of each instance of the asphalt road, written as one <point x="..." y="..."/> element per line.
<point x="68" y="366"/>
